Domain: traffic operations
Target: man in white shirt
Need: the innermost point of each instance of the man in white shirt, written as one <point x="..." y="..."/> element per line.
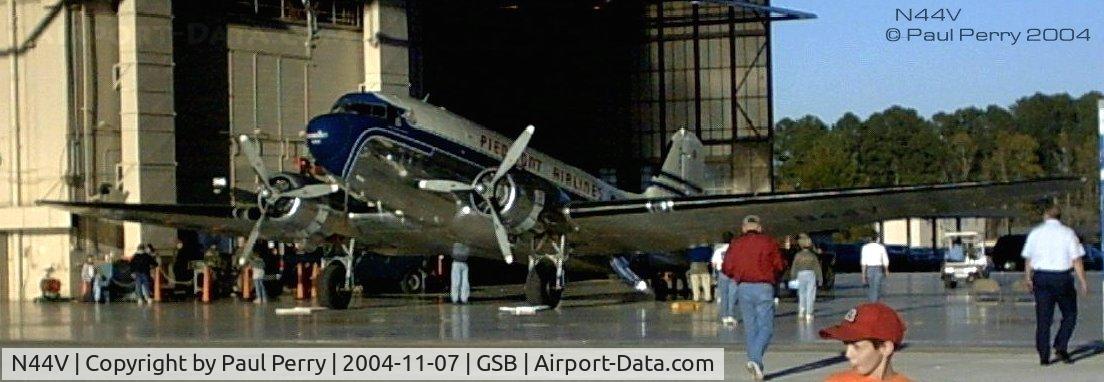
<point x="875" y="268"/>
<point x="726" y="289"/>
<point x="1050" y="252"/>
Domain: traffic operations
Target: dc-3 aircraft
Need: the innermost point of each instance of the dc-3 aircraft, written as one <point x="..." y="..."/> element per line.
<point x="405" y="177"/>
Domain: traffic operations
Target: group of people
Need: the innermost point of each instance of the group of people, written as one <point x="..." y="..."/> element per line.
<point x="750" y="266"/>
<point x="97" y="278"/>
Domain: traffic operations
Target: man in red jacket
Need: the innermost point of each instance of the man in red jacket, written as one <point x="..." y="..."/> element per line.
<point x="753" y="262"/>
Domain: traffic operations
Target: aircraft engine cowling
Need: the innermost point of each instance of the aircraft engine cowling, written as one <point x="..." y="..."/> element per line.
<point x="521" y="200"/>
<point x="285" y="181"/>
<point x="297" y="218"/>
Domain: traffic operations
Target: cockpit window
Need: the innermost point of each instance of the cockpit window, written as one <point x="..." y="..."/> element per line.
<point x="362" y="109"/>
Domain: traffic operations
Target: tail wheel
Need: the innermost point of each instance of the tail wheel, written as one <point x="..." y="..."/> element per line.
<point x="333" y="294"/>
<point x="540" y="285"/>
<point x="413" y="282"/>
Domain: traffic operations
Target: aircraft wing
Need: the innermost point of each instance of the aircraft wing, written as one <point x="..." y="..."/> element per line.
<point x="210" y="218"/>
<point x="628" y="226"/>
<point x="383" y="231"/>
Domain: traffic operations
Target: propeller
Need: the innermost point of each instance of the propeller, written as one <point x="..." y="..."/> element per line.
<point x="488" y="189"/>
<point x="271" y="194"/>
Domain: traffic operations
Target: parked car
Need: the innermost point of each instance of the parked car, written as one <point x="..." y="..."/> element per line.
<point x="1007" y="254"/>
<point x="1094" y="258"/>
<point x="406" y="274"/>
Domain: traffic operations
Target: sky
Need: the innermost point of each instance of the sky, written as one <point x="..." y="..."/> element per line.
<point x="842" y="60"/>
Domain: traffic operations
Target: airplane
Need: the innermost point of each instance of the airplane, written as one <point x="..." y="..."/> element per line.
<point x="404" y="177"/>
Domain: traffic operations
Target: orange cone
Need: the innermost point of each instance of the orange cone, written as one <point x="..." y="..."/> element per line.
<point x="157" y="283"/>
<point x="206" y="284"/>
<point x="247" y="283"/>
<point x="300" y="289"/>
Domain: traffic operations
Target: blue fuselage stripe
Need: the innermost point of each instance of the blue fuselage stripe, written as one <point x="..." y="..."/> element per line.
<point x="431" y="144"/>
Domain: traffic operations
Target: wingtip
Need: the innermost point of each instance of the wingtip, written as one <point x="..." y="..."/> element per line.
<point x="530" y="129"/>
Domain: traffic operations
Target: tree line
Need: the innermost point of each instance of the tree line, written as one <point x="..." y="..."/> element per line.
<point x="1037" y="136"/>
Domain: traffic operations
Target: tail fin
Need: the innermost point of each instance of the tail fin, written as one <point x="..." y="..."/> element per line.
<point x="683" y="172"/>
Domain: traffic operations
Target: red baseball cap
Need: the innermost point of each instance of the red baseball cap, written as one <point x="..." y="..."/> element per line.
<point x="870" y="321"/>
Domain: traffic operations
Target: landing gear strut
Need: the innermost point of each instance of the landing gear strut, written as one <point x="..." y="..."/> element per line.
<point x="545" y="283"/>
<point x="336" y="283"/>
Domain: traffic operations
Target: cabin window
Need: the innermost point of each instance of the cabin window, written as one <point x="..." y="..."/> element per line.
<point x="363" y="109"/>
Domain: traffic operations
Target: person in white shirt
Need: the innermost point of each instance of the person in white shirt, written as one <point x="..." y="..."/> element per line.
<point x="726" y="289"/>
<point x="1050" y="252"/>
<point x="257" y="266"/>
<point x="875" y="268"/>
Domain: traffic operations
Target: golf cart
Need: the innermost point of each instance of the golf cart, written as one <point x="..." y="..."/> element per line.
<point x="965" y="259"/>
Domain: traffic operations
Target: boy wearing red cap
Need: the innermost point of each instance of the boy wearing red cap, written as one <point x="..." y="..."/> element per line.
<point x="872" y="333"/>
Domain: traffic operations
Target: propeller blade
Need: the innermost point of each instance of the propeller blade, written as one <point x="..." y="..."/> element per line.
<point x="438" y="185"/>
<point x="513" y="154"/>
<point x="253" y="154"/>
<point x="247" y="248"/>
<point x="312" y="191"/>
<point x="502" y="237"/>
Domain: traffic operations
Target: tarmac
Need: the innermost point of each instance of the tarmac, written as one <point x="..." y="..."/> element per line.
<point x="956" y="335"/>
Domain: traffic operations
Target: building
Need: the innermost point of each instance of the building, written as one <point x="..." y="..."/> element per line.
<point x="137" y="101"/>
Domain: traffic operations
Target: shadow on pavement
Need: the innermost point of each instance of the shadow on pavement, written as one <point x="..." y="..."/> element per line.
<point x="807" y="367"/>
<point x="841" y="358"/>
<point x="1087" y="351"/>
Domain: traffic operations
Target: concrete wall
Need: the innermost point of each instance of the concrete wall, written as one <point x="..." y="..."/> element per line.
<point x="147" y="124"/>
<point x="93" y="106"/>
<point x="918" y="232"/>
<point x="34" y="123"/>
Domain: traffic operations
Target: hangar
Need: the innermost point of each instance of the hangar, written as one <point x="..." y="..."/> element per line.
<point x="136" y="101"/>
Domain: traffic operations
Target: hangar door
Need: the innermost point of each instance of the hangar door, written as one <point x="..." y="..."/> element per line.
<point x="275" y="88"/>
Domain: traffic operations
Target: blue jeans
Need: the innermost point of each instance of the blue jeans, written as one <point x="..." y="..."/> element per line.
<point x="99" y="290"/>
<point x="460" y="288"/>
<point x="620" y="265"/>
<point x="259" y="289"/>
<point x="874" y="276"/>
<point x="806" y="291"/>
<point x="142" y="286"/>
<point x="726" y="296"/>
<point x="757" y="309"/>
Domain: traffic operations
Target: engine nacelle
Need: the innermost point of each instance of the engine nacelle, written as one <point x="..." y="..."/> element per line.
<point x="297" y="218"/>
<point x="521" y="200"/>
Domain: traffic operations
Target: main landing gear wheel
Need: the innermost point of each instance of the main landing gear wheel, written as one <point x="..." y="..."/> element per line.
<point x="541" y="286"/>
<point x="413" y="282"/>
<point x="333" y="294"/>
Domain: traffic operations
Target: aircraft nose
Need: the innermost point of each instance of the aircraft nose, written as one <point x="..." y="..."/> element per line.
<point x="331" y="139"/>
